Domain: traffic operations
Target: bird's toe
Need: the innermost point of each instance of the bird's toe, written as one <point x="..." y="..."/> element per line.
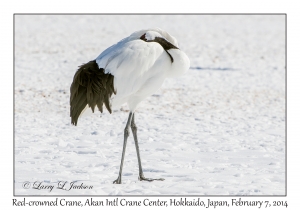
<point x="142" y="178"/>
<point x="117" y="181"/>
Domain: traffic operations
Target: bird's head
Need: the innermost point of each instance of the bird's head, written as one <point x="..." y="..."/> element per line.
<point x="151" y="34"/>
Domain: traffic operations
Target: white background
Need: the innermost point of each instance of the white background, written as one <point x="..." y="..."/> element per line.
<point x="219" y="129"/>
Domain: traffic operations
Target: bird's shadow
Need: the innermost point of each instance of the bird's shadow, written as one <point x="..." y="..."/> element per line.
<point x="214" y="69"/>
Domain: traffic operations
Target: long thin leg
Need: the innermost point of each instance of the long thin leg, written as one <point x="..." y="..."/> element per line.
<point x="141" y="174"/>
<point x="126" y="134"/>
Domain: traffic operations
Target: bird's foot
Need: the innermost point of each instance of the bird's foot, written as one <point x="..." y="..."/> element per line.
<point x="117" y="181"/>
<point x="142" y="178"/>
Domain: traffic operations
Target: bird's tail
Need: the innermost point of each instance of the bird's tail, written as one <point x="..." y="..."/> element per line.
<point x="90" y="86"/>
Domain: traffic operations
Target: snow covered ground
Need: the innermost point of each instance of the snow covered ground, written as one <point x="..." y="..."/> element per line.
<point x="217" y="130"/>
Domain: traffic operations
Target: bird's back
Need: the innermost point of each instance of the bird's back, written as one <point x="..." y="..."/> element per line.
<point x="138" y="66"/>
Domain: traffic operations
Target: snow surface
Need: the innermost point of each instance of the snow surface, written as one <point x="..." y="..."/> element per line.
<point x="217" y="130"/>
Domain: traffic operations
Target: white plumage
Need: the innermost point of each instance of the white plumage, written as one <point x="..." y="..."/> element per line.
<point x="138" y="65"/>
<point x="139" y="68"/>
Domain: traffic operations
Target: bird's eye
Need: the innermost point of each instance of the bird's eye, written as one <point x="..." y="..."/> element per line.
<point x="143" y="37"/>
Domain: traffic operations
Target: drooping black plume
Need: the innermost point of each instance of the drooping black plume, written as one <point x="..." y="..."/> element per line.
<point x="90" y="86"/>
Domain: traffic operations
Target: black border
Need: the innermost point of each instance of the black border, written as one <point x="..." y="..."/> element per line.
<point x="285" y="14"/>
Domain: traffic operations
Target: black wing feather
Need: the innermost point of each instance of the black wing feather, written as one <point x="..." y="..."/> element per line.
<point x="90" y="86"/>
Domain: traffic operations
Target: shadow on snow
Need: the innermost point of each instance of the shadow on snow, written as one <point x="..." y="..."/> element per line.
<point x="215" y="69"/>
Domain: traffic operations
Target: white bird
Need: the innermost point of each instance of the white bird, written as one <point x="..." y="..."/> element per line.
<point x="127" y="72"/>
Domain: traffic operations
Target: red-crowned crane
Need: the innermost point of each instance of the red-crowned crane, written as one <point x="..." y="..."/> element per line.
<point x="127" y="72"/>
